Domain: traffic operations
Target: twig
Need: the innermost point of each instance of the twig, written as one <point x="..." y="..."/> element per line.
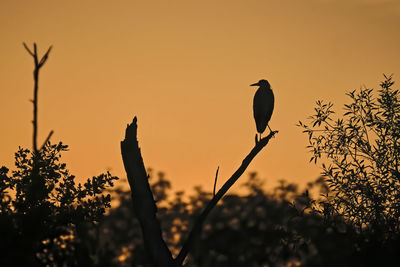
<point x="27" y="49"/>
<point x="215" y="181"/>
<point x="187" y="246"/>
<point x="47" y="139"/>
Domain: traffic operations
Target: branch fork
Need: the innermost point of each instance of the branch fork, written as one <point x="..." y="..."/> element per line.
<point x="146" y="208"/>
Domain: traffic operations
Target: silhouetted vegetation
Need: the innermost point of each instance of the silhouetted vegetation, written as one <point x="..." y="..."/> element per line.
<point x="359" y="155"/>
<point x="259" y="228"/>
<point x="46" y="219"/>
<point x="347" y="217"/>
<point x="281" y="227"/>
<point x="249" y="230"/>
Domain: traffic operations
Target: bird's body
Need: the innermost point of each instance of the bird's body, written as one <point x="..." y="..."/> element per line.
<point x="263" y="105"/>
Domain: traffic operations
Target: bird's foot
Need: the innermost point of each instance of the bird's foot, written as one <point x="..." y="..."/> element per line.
<point x="272" y="133"/>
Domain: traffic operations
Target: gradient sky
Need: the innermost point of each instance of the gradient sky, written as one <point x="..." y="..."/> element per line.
<point x="184" y="69"/>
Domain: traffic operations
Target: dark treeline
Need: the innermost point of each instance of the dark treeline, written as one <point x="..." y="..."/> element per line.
<point x="281" y="227"/>
<point x="284" y="226"/>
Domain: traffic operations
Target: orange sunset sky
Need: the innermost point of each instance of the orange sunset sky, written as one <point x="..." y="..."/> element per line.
<point x="184" y="69"/>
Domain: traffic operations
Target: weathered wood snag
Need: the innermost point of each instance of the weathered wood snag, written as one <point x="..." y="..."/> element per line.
<point x="142" y="197"/>
<point x="145" y="207"/>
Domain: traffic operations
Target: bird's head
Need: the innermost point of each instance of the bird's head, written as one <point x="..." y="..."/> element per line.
<point x="262" y="83"/>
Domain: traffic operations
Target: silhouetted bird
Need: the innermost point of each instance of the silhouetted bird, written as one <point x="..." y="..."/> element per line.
<point x="263" y="105"/>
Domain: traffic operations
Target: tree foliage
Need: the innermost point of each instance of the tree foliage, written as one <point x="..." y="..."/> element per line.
<point x="45" y="215"/>
<point x="46" y="219"/>
<point x="359" y="154"/>
<point x="258" y="228"/>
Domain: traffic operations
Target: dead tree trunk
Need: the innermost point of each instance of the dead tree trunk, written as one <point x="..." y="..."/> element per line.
<point x="142" y="197"/>
<point x="145" y="207"/>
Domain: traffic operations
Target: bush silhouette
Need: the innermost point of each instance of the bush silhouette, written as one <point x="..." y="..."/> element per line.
<point x="46" y="219"/>
<point x="44" y="215"/>
<point x="360" y="161"/>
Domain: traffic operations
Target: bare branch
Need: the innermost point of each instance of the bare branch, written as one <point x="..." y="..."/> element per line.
<point x="36" y="89"/>
<point x="35" y="56"/>
<point x="188" y="245"/>
<point x="27" y="49"/>
<point x="47" y="139"/>
<point x="44" y="58"/>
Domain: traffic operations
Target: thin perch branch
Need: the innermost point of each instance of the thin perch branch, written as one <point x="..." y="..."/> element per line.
<point x="188" y="245"/>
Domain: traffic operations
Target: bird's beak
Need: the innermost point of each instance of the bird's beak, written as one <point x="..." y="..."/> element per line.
<point x="254" y="84"/>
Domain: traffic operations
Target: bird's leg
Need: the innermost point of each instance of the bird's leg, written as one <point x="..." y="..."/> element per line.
<point x="269" y="128"/>
<point x="258" y="137"/>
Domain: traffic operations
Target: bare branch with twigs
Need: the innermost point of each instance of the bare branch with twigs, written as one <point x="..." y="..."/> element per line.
<point x="38" y="64"/>
<point x="188" y="245"/>
<point x="145" y="206"/>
